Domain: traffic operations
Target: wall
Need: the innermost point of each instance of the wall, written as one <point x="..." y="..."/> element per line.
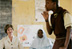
<point x="23" y="13"/>
<point x="5" y="15"/>
<point x="67" y="4"/>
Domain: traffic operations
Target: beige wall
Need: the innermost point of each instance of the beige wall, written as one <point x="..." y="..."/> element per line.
<point x="67" y="4"/>
<point x="23" y="13"/>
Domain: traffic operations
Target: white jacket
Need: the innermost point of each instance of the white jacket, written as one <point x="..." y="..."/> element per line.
<point x="7" y="44"/>
<point x="41" y="43"/>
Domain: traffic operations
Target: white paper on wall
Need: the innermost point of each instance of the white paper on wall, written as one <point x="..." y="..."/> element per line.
<point x="27" y="33"/>
<point x="39" y="8"/>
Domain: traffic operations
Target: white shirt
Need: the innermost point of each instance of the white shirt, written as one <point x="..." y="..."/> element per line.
<point x="15" y="44"/>
<point x="67" y="20"/>
<point x="41" y="43"/>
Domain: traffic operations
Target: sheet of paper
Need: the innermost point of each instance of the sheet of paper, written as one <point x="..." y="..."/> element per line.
<point x="27" y="33"/>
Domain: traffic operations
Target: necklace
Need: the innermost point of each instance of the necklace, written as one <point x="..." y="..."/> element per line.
<point x="55" y="15"/>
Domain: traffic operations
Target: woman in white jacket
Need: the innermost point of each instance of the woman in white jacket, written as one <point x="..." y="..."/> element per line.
<point x="10" y="42"/>
<point x="41" y="41"/>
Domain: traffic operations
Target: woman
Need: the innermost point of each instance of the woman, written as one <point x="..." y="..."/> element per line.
<point x="41" y="41"/>
<point x="10" y="42"/>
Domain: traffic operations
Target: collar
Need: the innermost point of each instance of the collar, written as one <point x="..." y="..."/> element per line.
<point x="55" y="14"/>
<point x="9" y="39"/>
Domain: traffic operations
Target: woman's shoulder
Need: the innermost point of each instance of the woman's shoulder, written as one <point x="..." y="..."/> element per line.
<point x="3" y="39"/>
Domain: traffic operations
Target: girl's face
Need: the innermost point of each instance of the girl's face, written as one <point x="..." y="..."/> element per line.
<point x="10" y="31"/>
<point x="40" y="34"/>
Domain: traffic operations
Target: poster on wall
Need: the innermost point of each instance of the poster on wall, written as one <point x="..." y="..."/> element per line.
<point x="39" y="8"/>
<point x="27" y="33"/>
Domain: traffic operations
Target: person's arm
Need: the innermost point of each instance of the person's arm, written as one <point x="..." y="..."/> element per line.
<point x="46" y="16"/>
<point x="48" y="28"/>
<point x="1" y="44"/>
<point x="68" y="25"/>
<point x="67" y="38"/>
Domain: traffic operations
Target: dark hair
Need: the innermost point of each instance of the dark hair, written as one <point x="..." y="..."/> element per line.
<point x="7" y="26"/>
<point x="40" y="30"/>
<point x="56" y="2"/>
